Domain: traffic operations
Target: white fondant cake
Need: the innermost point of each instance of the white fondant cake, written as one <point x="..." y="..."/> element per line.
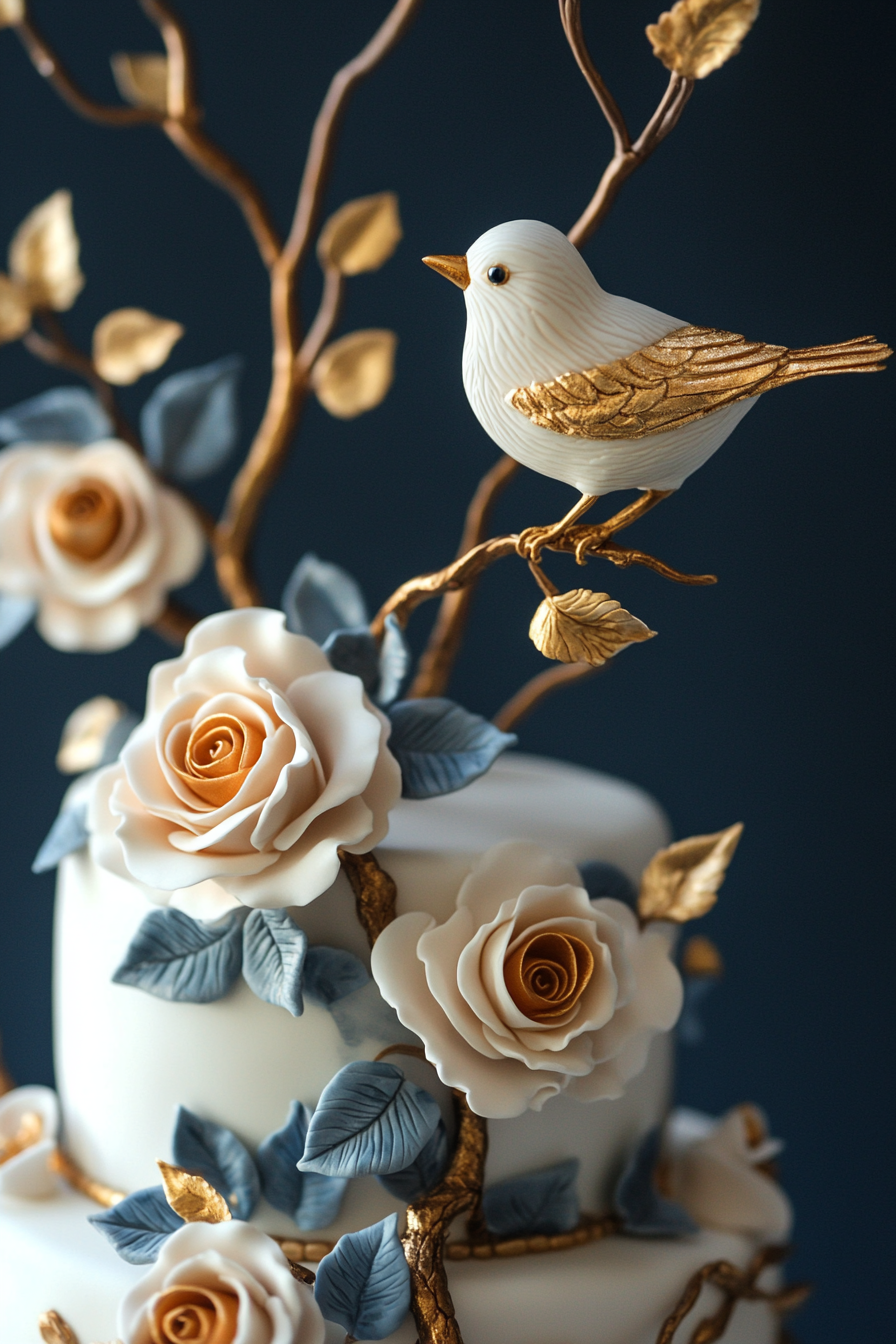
<point x="126" y="1060"/>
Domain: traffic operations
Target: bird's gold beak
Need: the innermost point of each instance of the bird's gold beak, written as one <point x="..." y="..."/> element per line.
<point x="453" y="269"/>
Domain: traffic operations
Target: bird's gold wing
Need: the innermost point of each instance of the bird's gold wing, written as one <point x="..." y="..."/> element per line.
<point x="686" y="375"/>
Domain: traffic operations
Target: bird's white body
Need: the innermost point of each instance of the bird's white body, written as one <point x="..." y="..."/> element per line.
<point x="552" y="317"/>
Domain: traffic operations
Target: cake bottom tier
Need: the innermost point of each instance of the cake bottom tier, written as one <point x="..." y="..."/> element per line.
<point x="617" y="1291"/>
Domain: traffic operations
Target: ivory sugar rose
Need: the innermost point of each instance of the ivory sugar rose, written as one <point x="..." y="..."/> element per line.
<point x="255" y="762"/>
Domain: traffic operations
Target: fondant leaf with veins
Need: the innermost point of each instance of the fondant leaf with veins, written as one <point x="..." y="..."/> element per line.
<point x="364" y="1284"/>
<point x="370" y="1121"/>
<point x="321" y="1201"/>
<point x="643" y="1210"/>
<point x="440" y="746"/>
<point x="381" y="667"/>
<point x="541" y="1202"/>
<point x="61" y="415"/>
<point x="331" y="973"/>
<point x="220" y="1158"/>
<point x="274" y="950"/>
<point x="423" y="1173"/>
<point x="181" y="959"/>
<point x="138" y="1225"/>
<point x="67" y="835"/>
<point x="320" y="598"/>
<point x="681" y="881"/>
<point x="190" y="424"/>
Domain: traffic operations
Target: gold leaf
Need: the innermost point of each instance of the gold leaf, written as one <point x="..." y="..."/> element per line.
<point x="43" y="255"/>
<point x="701" y="959"/>
<point x="361" y="235"/>
<point x="584" y="627"/>
<point x="130" y="342"/>
<point x="354" y="373"/>
<point x="192" y="1197"/>
<point x="15" y="310"/>
<point x="681" y="882"/>
<point x="11" y="11"/>
<point x="142" y="79"/>
<point x="695" y="37"/>
<point x="54" y="1329"/>
<point x="84" y="734"/>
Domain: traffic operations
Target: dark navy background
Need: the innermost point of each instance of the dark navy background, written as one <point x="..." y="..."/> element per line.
<point x="765" y="698"/>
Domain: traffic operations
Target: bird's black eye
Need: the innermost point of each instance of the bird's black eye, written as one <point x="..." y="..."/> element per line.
<point x="498" y="275"/>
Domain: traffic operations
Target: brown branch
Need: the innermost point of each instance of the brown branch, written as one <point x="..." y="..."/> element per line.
<point x="437" y="660"/>
<point x="175" y="622"/>
<point x="374" y="892"/>
<point x="54" y="346"/>
<point x="529" y="696"/>
<point x="627" y="155"/>
<point x="325" y="320"/>
<point x="48" y="65"/>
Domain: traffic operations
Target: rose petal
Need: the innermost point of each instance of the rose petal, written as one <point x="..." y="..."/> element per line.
<point x="505" y="870"/>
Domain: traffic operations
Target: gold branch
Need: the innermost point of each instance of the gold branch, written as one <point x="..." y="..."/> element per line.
<point x="175" y="622"/>
<point x="66" y="1167"/>
<point x="735" y="1285"/>
<point x="538" y="688"/>
<point x="48" y="65"/>
<point x="374" y="892"/>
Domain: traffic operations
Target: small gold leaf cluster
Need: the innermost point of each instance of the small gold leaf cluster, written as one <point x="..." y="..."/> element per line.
<point x="11" y="12"/>
<point x="84" y="734"/>
<point x="130" y="342"/>
<point x="361" y="235"/>
<point x="43" y="266"/>
<point x="192" y="1197"/>
<point x="142" y="79"/>
<point x="54" y="1329"/>
<point x="695" y="37"/>
<point x="682" y="881"/>
<point x="584" y="627"/>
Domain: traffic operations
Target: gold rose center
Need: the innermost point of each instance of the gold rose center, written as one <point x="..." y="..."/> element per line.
<point x="85" y="519"/>
<point x="195" y="1315"/>
<point x="547" y="976"/>
<point x="220" y="752"/>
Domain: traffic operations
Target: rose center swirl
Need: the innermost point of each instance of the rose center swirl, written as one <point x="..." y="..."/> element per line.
<point x="85" y="519"/>
<point x="220" y="752"/>
<point x="193" y="1315"/>
<point x="547" y="975"/>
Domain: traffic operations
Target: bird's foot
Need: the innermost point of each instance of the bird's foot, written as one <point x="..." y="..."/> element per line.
<point x="532" y="540"/>
<point x="590" y="539"/>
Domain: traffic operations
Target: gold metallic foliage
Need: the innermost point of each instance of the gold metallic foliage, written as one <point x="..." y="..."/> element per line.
<point x="130" y="342"/>
<point x="142" y="79"/>
<point x="192" y="1197"/>
<point x="43" y="255"/>
<point x="701" y="958"/>
<point x="681" y="882"/>
<point x="11" y="11"/>
<point x="54" y="1329"/>
<point x="695" y="37"/>
<point x="361" y="235"/>
<point x="688" y="374"/>
<point x="353" y="374"/>
<point x="584" y="627"/>
<point x="84" y="734"/>
<point x="15" y="310"/>
<point x="734" y="1285"/>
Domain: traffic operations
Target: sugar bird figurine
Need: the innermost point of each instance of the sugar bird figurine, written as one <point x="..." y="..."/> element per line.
<point x="600" y="391"/>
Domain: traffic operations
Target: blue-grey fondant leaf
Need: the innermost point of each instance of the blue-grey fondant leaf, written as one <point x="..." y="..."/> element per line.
<point x="331" y="973"/>
<point x="364" y="1284"/>
<point x="542" y="1202"/>
<point x="175" y="957"/>
<point x="138" y="1225"/>
<point x="274" y="950"/>
<point x="320" y="598"/>
<point x="217" y="1155"/>
<point x="604" y="879"/>
<point x="690" y="1029"/>
<point x="67" y="834"/>
<point x="278" y="1158"/>
<point x="425" y="1170"/>
<point x="370" y="1121"/>
<point x="321" y="1201"/>
<point x="395" y="658"/>
<point x="15" y="613"/>
<point x="190" y="424"/>
<point x="62" y="415"/>
<point x="643" y="1210"/>
<point x="440" y="746"/>
<point x="356" y="652"/>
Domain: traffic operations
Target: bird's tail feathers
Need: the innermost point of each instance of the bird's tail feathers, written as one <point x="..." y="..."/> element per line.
<point x="864" y="354"/>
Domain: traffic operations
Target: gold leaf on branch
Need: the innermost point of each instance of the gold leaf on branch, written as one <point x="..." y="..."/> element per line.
<point x="681" y="882"/>
<point x="54" y="1329"/>
<point x="192" y="1197"/>
<point x="84" y="734"/>
<point x="695" y="37"/>
<point x="701" y="959"/>
<point x="15" y="311"/>
<point x="130" y="342"/>
<point x="584" y="627"/>
<point x="43" y="255"/>
<point x="142" y="79"/>
<point x="11" y="11"/>
<point x="361" y="235"/>
<point x="354" y="373"/>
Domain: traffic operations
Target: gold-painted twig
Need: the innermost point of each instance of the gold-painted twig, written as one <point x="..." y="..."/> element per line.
<point x="627" y="154"/>
<point x="735" y="1285"/>
<point x="54" y="346"/>
<point x="529" y="696"/>
<point x="438" y="658"/>
<point x="47" y="63"/>
<point x="491" y="1248"/>
<point x="175" y="622"/>
<point x="55" y="1329"/>
<point x="374" y="892"/>
<point x="428" y="1221"/>
<point x="68" y="1169"/>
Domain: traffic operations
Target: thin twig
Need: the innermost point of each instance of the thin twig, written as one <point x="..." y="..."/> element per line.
<point x="48" y="65"/>
<point x="175" y="622"/>
<point x="325" y="320"/>
<point x="55" y="346"/>
<point x="437" y="660"/>
<point x="521" y="705"/>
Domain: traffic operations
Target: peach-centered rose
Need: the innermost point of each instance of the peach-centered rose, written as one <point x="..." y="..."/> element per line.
<point x="220" y="1283"/>
<point x="254" y="763"/>
<point x="94" y="539"/>
<point x="529" y="988"/>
